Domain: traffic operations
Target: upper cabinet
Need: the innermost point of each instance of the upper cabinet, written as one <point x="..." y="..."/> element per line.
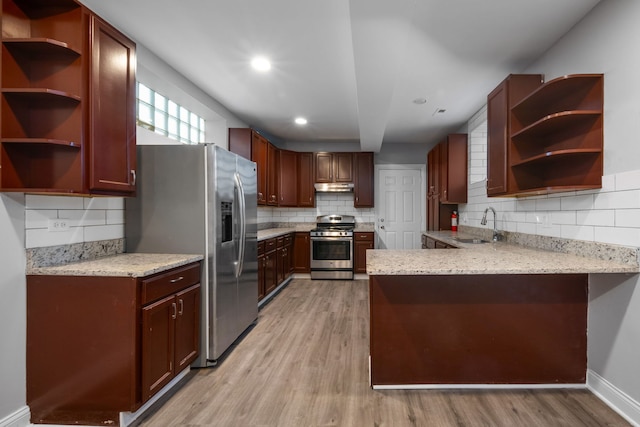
<point x="58" y="60"/>
<point x="333" y="167"/>
<point x="288" y="177"/>
<point x="363" y="182"/>
<point x="453" y="169"/>
<point x="306" y="191"/>
<point x="499" y="102"/>
<point x="551" y="135"/>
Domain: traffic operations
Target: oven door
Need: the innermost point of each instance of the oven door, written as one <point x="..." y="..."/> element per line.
<point x="332" y="257"/>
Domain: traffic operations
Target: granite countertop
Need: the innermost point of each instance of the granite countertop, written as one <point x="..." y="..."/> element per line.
<point x="275" y="232"/>
<point x="122" y="265"/>
<point x="485" y="258"/>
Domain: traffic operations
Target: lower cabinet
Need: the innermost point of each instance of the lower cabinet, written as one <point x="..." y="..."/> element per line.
<point x="430" y="243"/>
<point x="275" y="263"/>
<point x="101" y="345"/>
<point x="361" y="242"/>
<point x="169" y="338"/>
<point x="302" y="253"/>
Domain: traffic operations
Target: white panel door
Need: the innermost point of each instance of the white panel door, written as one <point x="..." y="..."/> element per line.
<point x="400" y="213"/>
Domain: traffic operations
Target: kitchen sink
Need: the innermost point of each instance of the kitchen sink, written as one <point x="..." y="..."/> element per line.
<point x="472" y="240"/>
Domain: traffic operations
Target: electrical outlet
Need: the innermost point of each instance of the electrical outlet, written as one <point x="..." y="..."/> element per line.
<point x="58" y="225"/>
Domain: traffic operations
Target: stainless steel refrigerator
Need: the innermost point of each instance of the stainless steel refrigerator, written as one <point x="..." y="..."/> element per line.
<point x="202" y="199"/>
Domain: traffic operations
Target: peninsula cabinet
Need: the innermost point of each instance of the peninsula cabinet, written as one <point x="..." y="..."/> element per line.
<point x="68" y="101"/>
<point x="333" y="167"/>
<point x="363" y="183"/>
<point x="499" y="102"/>
<point x="101" y="345"/>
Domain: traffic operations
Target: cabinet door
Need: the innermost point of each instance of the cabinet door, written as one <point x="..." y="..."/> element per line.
<point x="158" y="335"/>
<point x="187" y="336"/>
<point x="259" y="155"/>
<point x="362" y="242"/>
<point x="261" y="276"/>
<point x="240" y="141"/>
<point x="301" y="253"/>
<point x="112" y="112"/>
<point x="497" y="112"/>
<point x="272" y="174"/>
<point x="288" y="178"/>
<point x="343" y="167"/>
<point x="306" y="192"/>
<point x="323" y="167"/>
<point x="271" y="272"/>
<point x="433" y="185"/>
<point x="363" y="182"/>
<point x="453" y="169"/>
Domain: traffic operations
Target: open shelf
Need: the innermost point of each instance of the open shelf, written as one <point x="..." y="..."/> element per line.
<point x="557" y="122"/>
<point x="554" y="156"/>
<point x="41" y="45"/>
<point x="47" y="141"/>
<point x="41" y="94"/>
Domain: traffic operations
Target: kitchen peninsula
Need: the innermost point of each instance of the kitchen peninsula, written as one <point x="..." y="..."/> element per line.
<point x="481" y="315"/>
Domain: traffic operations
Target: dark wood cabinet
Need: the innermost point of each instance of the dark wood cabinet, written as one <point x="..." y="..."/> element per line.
<point x="306" y="191"/>
<point x="556" y="136"/>
<point x="453" y="169"/>
<point x="446" y="180"/>
<point x="240" y="142"/>
<point x="513" y="89"/>
<point x="101" y="345"/>
<point x="333" y="167"/>
<point x="58" y="60"/>
<point x="112" y="122"/>
<point x="361" y="242"/>
<point x="272" y="174"/>
<point x="170" y="338"/>
<point x="302" y="253"/>
<point x="261" y="270"/>
<point x="271" y="266"/>
<point x="288" y="178"/>
<point x="259" y="154"/>
<point x="363" y="183"/>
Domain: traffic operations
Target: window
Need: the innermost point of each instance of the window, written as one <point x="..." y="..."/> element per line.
<point x="161" y="115"/>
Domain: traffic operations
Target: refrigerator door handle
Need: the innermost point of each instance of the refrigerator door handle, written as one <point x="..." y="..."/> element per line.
<point x="243" y="226"/>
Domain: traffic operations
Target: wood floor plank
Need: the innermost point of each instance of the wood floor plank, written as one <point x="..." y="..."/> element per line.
<point x="305" y="363"/>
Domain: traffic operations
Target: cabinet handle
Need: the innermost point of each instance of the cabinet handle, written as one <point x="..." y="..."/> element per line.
<point x="181" y="310"/>
<point x="260" y="196"/>
<point x="177" y="280"/>
<point x="133" y="177"/>
<point x="175" y="310"/>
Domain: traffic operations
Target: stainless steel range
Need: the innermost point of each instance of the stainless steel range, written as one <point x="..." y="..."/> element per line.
<point x="332" y="247"/>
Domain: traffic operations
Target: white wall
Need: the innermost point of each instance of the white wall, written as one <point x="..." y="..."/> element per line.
<point x="604" y="42"/>
<point x="12" y="306"/>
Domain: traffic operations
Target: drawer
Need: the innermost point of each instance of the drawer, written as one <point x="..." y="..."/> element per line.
<point x="261" y="247"/>
<point x="363" y="236"/>
<point x="280" y="242"/>
<point x="169" y="282"/>
<point x="269" y="245"/>
<point x="288" y="239"/>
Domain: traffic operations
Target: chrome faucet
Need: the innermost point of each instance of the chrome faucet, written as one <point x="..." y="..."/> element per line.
<point x="496" y="236"/>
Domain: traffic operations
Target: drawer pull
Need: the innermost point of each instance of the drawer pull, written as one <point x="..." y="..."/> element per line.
<point x="177" y="279"/>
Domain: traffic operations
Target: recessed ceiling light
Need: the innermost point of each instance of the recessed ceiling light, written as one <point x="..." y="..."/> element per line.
<point x="261" y="63"/>
<point x="420" y="101"/>
<point x="300" y="121"/>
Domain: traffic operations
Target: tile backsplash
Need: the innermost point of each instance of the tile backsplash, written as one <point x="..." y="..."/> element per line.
<point x="326" y="203"/>
<point x="88" y="219"/>
<point x="608" y="215"/>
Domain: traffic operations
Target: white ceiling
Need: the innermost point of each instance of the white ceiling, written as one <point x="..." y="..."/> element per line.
<point x="352" y="68"/>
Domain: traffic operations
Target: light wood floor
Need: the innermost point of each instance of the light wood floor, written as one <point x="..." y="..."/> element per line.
<point x="306" y="364"/>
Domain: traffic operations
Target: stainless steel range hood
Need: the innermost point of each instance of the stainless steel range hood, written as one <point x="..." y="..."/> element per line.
<point x="334" y="187"/>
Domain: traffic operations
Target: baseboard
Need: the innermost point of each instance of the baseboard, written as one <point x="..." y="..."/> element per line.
<point x="20" y="418"/>
<point x="615" y="398"/>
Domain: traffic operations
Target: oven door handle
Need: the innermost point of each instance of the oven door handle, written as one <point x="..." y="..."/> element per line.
<point x="332" y="239"/>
